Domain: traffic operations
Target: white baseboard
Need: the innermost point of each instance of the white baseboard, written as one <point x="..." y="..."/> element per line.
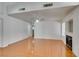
<point x="58" y="38"/>
<point x="64" y="39"/>
<point x="76" y="54"/>
<point x="6" y="44"/>
<point x="3" y="46"/>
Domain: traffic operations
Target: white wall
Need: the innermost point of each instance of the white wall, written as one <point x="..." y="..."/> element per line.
<point x="76" y="32"/>
<point x="0" y="32"/>
<point x="14" y="30"/>
<point x="75" y="41"/>
<point x="48" y="30"/>
<point x="0" y="8"/>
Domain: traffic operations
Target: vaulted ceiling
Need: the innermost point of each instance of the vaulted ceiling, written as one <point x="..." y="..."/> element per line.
<point x="35" y="10"/>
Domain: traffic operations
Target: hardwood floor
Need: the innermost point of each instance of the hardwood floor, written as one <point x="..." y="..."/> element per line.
<point x="37" y="48"/>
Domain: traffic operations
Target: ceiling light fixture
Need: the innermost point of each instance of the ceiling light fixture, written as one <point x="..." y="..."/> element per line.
<point x="37" y="21"/>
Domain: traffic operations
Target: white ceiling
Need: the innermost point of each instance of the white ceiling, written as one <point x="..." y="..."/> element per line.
<point x="48" y="14"/>
<point x="13" y="7"/>
<point x="43" y="14"/>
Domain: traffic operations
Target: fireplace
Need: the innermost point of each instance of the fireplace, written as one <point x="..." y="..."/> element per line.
<point x="69" y="41"/>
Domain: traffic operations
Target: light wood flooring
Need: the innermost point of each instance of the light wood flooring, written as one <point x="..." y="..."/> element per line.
<point x="37" y="48"/>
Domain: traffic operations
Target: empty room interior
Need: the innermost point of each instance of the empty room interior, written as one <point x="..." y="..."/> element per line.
<point x="39" y="29"/>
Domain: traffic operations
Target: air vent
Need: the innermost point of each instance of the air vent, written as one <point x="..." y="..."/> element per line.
<point x="48" y="5"/>
<point x="22" y="9"/>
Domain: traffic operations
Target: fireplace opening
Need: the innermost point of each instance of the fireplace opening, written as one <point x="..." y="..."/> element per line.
<point x="69" y="41"/>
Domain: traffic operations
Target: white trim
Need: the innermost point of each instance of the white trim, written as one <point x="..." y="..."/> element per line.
<point x="58" y="38"/>
<point x="6" y="44"/>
